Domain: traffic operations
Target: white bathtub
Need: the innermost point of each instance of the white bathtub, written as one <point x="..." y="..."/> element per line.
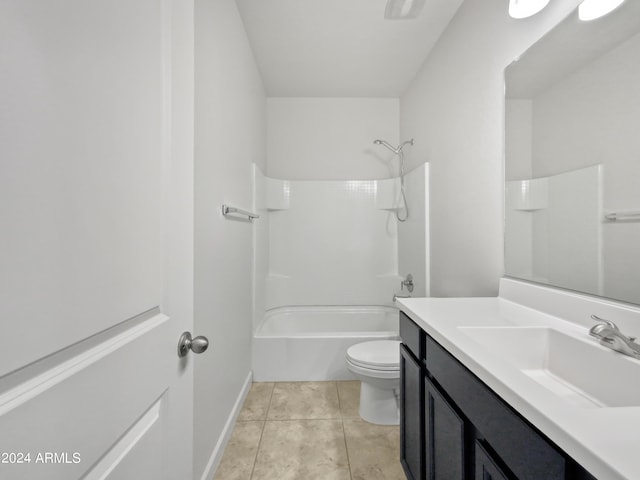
<point x="309" y="343"/>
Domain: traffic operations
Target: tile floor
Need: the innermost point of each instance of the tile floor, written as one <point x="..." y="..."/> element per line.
<point x="308" y="431"/>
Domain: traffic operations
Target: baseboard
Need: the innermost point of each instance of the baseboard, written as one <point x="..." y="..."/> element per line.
<point x="216" y="455"/>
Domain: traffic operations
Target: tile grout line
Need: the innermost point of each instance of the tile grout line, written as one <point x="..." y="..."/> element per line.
<point x="344" y="433"/>
<point x="264" y="424"/>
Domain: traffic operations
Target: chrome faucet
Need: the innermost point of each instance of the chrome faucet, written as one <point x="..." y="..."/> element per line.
<point x="610" y="336"/>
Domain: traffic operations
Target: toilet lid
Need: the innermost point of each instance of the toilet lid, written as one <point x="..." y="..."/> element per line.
<point x="379" y="355"/>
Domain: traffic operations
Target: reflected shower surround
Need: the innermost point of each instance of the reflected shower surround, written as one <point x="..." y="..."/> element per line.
<point x="570" y="203"/>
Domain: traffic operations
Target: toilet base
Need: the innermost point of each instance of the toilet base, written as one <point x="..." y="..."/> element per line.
<point x="378" y="405"/>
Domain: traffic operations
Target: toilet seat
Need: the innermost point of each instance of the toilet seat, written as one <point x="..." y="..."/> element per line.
<point x="380" y="355"/>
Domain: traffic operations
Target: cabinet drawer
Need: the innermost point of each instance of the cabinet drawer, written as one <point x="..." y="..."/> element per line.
<point x="412" y="336"/>
<point x="529" y="455"/>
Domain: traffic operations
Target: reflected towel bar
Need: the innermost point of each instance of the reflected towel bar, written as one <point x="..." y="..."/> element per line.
<point x="227" y="210"/>
<point x="613" y="216"/>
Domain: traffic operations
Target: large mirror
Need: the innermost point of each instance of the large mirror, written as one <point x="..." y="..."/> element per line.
<point x="572" y="196"/>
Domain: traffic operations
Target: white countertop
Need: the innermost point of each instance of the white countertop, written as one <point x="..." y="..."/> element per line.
<point x="605" y="441"/>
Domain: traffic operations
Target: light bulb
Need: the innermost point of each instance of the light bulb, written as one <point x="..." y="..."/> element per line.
<point x="592" y="9"/>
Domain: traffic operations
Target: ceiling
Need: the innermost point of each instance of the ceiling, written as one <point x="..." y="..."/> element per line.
<point x="339" y="48"/>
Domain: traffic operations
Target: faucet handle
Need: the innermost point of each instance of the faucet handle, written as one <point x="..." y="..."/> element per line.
<point x="607" y="322"/>
<point x="407" y="282"/>
<point x="612" y="325"/>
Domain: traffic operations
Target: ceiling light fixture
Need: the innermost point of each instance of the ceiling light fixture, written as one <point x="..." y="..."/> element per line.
<point x="525" y="8"/>
<point x="592" y="9"/>
<point x="403" y="9"/>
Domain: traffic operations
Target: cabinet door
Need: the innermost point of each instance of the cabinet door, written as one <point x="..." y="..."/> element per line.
<point x="411" y="415"/>
<point x="529" y="455"/>
<point x="444" y="437"/>
<point x="486" y="468"/>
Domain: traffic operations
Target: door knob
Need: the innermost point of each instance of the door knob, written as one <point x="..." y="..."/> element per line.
<point x="196" y="345"/>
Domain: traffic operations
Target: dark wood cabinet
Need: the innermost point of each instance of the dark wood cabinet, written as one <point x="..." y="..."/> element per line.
<point x="444" y="437"/>
<point x="411" y="415"/>
<point x="454" y="427"/>
<point x="485" y="467"/>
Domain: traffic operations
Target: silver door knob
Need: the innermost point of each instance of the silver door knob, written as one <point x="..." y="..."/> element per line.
<point x="196" y="345"/>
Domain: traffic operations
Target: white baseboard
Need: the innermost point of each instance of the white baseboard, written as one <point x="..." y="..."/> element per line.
<point x="216" y="455"/>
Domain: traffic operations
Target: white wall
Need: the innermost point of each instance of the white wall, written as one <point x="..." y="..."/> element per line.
<point x="229" y="137"/>
<point x="331" y="138"/>
<point x="455" y="110"/>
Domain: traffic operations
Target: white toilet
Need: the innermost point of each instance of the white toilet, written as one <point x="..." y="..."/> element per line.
<point x="377" y="366"/>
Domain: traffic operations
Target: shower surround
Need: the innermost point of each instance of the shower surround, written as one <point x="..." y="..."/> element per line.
<point x="326" y="243"/>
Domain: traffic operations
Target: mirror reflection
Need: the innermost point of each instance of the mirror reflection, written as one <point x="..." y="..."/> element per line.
<point x="572" y="196"/>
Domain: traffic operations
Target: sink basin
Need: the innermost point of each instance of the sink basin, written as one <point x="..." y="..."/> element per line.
<point x="580" y="371"/>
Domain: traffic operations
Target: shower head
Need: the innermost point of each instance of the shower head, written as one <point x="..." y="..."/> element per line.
<point x="386" y="144"/>
<point x="408" y="142"/>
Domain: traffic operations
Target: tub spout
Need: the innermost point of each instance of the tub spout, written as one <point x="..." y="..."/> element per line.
<point x="396" y="296"/>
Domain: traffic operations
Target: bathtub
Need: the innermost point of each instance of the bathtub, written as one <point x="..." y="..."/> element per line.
<point x="309" y="343"/>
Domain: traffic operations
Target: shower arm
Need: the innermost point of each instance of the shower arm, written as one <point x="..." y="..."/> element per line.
<point x="408" y="142"/>
<point x="397" y="150"/>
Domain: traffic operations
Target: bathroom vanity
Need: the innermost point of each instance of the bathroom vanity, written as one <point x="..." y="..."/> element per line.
<point x="495" y="388"/>
<point x="514" y="387"/>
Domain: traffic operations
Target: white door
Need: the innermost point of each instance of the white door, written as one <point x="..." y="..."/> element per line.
<point x="96" y="234"/>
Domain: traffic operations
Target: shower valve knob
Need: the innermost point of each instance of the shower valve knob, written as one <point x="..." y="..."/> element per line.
<point x="408" y="282"/>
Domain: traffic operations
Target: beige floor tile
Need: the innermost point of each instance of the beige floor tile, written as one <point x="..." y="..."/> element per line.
<point x="349" y="395"/>
<point x="304" y="400"/>
<point x="302" y="450"/>
<point x="257" y="402"/>
<point x="373" y="450"/>
<point x="240" y="454"/>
